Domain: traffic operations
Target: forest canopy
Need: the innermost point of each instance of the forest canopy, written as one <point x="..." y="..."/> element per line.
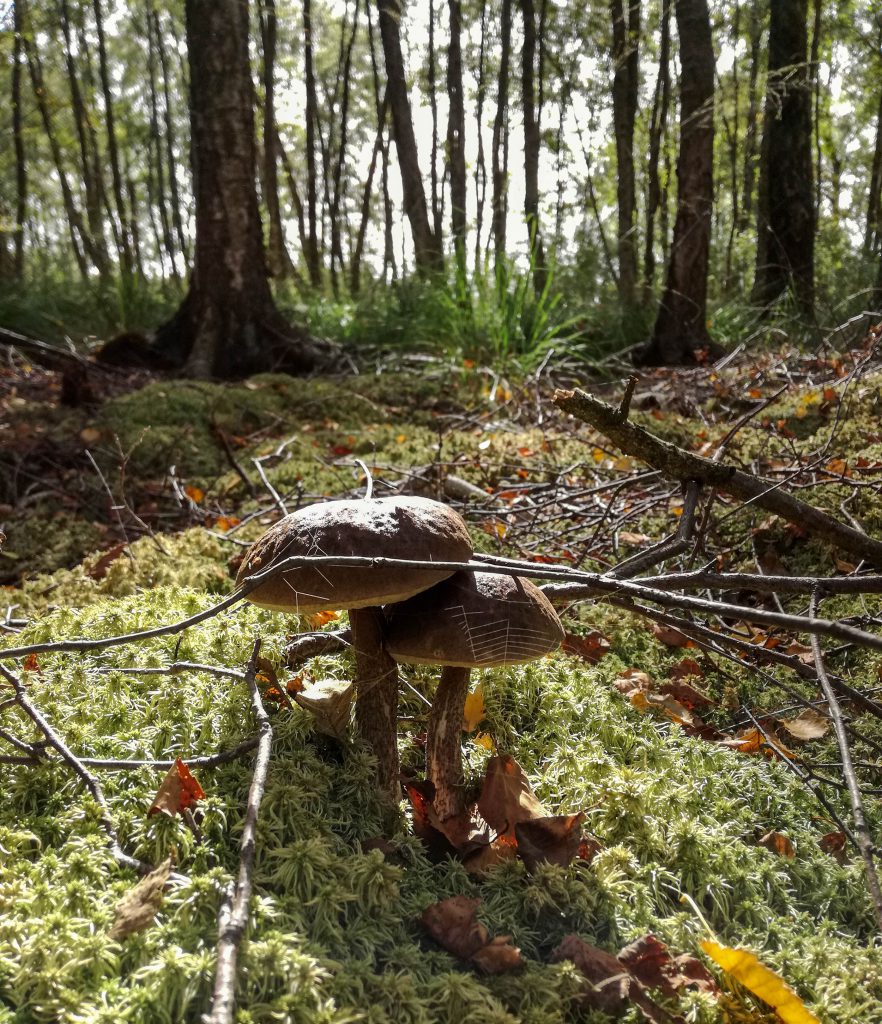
<point x="534" y="152"/>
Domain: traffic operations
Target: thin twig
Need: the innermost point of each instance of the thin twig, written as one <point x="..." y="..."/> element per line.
<point x="123" y="764"/>
<point x="79" y="769"/>
<point x="233" y="915"/>
<point x="862" y="831"/>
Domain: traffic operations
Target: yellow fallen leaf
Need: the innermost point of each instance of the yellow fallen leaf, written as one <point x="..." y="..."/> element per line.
<point x="401" y="438"/>
<point x="485" y="740"/>
<point x="321" y="618"/>
<point x="745" y="968"/>
<point x="473" y="711"/>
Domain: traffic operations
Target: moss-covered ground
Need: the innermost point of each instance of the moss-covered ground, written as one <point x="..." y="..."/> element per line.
<point x="334" y="933"/>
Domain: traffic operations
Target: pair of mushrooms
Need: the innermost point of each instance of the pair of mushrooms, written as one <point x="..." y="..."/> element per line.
<point x="459" y="620"/>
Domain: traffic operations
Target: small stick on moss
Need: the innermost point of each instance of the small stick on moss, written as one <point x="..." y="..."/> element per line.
<point x="233" y="914"/>
<point x="862" y="831"/>
<point x="79" y="769"/>
<point x="111" y="764"/>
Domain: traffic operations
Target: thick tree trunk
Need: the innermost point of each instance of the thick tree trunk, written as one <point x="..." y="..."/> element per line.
<point x="228" y="325"/>
<point x="680" y="334"/>
<point x="532" y="146"/>
<point x="658" y="121"/>
<point x="21" y="171"/>
<point x="626" y="41"/>
<point x="427" y="250"/>
<point x="786" y="235"/>
<point x="456" y="136"/>
<point x="500" y="135"/>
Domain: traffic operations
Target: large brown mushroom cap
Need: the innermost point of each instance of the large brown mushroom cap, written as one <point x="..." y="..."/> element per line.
<point x="400" y="527"/>
<point x="474" y="620"/>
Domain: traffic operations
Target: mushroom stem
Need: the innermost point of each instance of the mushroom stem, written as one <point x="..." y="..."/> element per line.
<point x="376" y="686"/>
<point x="444" y="741"/>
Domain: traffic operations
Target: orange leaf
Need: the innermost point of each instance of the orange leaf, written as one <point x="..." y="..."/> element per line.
<point x="195" y="494"/>
<point x="31" y="664"/>
<point x="225" y="523"/>
<point x="178" y="791"/>
<point x="322" y="618"/>
<point x="669" y="635"/>
<point x="506" y="797"/>
<point x="591" y="647"/>
<point x="777" y="843"/>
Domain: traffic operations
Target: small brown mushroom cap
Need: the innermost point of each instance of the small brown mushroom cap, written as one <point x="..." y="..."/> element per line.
<point x="474" y="620"/>
<point x="400" y="527"/>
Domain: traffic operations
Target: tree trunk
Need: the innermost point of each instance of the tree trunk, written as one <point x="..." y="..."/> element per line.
<point x="786" y="236"/>
<point x="358" y="253"/>
<point x="176" y="208"/>
<point x="313" y="262"/>
<point x="427" y="250"/>
<point x="500" y="134"/>
<point x="481" y="162"/>
<point x="112" y="148"/>
<point x="436" y="186"/>
<point x="626" y="41"/>
<point x="873" y="232"/>
<point x="657" y="124"/>
<point x="532" y="146"/>
<point x="277" y="254"/>
<point x="750" y="154"/>
<point x="456" y="137"/>
<point x="680" y="334"/>
<point x="228" y="325"/>
<point x="21" y="171"/>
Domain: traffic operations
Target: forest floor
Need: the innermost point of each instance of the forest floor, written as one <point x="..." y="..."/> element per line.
<point x="132" y="512"/>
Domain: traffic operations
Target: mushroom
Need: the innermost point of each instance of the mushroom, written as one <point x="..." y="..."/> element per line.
<point x="399" y="527"/>
<point x="471" y="620"/>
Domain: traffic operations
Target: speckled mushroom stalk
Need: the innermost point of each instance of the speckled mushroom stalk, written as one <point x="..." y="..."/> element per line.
<point x="471" y="620"/>
<point x="413" y="528"/>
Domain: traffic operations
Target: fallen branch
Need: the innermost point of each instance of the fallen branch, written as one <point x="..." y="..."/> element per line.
<point x="233" y="914"/>
<point x="79" y="769"/>
<point x="126" y="764"/>
<point x="862" y="831"/>
<point x="678" y="464"/>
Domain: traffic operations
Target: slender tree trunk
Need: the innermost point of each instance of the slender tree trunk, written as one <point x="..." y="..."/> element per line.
<point x="228" y="325"/>
<point x="785" y="252"/>
<point x="170" y="146"/>
<point x="313" y="262"/>
<point x="626" y="37"/>
<point x="136" y="227"/>
<point x="532" y="145"/>
<point x="873" y="232"/>
<point x="500" y="135"/>
<point x="427" y="249"/>
<point x="296" y="201"/>
<point x="112" y="148"/>
<point x="336" y="227"/>
<point x="815" y="79"/>
<point x="658" y="121"/>
<point x="750" y="132"/>
<point x="456" y="136"/>
<point x="680" y="334"/>
<point x="481" y="162"/>
<point x="21" y="170"/>
<point x="436" y="185"/>
<point x="277" y="254"/>
<point x="157" y="148"/>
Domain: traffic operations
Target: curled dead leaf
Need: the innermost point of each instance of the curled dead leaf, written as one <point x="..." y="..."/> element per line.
<point x="777" y="843"/>
<point x="669" y="635"/>
<point x="807" y="725"/>
<point x="329" y="702"/>
<point x="453" y="924"/>
<point x="177" y="792"/>
<point x="590" y="647"/>
<point x="138" y="907"/>
<point x="554" y="839"/>
<point x="506" y="797"/>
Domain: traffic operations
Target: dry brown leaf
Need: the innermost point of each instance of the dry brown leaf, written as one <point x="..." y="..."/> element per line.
<point x="506" y="797"/>
<point x="801" y="651"/>
<point x="635" y="539"/>
<point x="551" y="840"/>
<point x="329" y="702"/>
<point x="485" y="858"/>
<point x="137" y="909"/>
<point x="452" y="924"/>
<point x="590" y="647"/>
<point x="632" y="679"/>
<point x="752" y="741"/>
<point x="498" y="956"/>
<point x="807" y="725"/>
<point x="177" y="792"/>
<point x="651" y="963"/>
<point x="98" y="570"/>
<point x="834" y="843"/>
<point x="685" y="668"/>
<point x="669" y="635"/>
<point x="609" y="982"/>
<point x="686" y="694"/>
<point x="777" y="843"/>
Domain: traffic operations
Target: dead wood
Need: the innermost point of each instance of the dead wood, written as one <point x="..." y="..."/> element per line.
<point x="678" y="464"/>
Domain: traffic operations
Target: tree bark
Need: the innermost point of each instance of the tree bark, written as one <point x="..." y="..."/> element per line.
<point x="228" y="325"/>
<point x="21" y="170"/>
<point x="680" y="334"/>
<point x="750" y="133"/>
<point x="786" y="235"/>
<point x="427" y="250"/>
<point x="500" y="134"/>
<point x="481" y="162"/>
<point x="658" y="122"/>
<point x="456" y="136"/>
<point x="313" y="262"/>
<point x="176" y="206"/>
<point x="436" y="185"/>
<point x="626" y="63"/>
<point x="112" y="148"/>
<point x="278" y="258"/>
<point x="532" y="146"/>
<point x="873" y="231"/>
